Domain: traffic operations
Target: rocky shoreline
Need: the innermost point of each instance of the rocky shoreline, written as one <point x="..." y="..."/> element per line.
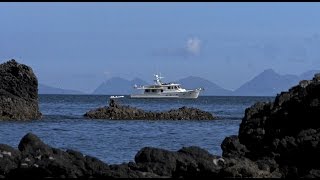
<point x="36" y="159"/>
<point x="119" y="112"/>
<point x="277" y="139"/>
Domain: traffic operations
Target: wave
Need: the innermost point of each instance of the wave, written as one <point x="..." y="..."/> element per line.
<point x="59" y="129"/>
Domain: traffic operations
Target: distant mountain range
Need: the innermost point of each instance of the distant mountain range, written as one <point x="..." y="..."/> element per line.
<point x="210" y="88"/>
<point x="267" y="83"/>
<point x="270" y="83"/>
<point x="117" y="85"/>
<point x="45" y="89"/>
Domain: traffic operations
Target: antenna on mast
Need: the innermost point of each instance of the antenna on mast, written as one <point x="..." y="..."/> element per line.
<point x="157" y="79"/>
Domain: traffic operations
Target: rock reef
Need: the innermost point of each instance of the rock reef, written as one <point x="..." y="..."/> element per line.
<point x="18" y="92"/>
<point x="117" y="111"/>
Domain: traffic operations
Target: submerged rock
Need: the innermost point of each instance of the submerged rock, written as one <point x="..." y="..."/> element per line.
<point x="117" y="111"/>
<point x="18" y="92"/>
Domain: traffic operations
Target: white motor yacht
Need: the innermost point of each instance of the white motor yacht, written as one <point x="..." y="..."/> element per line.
<point x="165" y="90"/>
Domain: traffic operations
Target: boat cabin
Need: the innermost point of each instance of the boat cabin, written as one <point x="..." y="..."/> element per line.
<point x="160" y="88"/>
<point x="153" y="90"/>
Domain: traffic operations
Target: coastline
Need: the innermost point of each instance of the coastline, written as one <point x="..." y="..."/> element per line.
<point x="278" y="139"/>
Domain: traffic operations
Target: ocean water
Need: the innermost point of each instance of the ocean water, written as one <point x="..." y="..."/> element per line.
<point x="116" y="141"/>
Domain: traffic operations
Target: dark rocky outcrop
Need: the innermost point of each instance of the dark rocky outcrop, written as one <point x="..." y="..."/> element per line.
<point x="283" y="136"/>
<point x="186" y="162"/>
<point x="18" y="92"/>
<point x="35" y="159"/>
<point x="117" y="111"/>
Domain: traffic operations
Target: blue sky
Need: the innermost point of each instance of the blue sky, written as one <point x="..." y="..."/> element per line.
<point x="80" y="45"/>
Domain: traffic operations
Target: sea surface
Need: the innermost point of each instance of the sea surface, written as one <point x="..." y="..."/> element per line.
<point x="116" y="141"/>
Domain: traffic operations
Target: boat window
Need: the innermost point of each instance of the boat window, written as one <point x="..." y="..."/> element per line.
<point x="153" y="90"/>
<point x="147" y="90"/>
<point x="161" y="90"/>
<point x="169" y="87"/>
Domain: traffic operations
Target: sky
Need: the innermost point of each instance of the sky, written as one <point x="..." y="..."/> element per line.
<point x="79" y="45"/>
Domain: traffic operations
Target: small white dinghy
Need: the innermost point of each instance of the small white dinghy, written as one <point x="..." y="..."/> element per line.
<point x="114" y="97"/>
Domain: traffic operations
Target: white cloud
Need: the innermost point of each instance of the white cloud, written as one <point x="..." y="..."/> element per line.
<point x="190" y="48"/>
<point x="193" y="45"/>
<point x="107" y="72"/>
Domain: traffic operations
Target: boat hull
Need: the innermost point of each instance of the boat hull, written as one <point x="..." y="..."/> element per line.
<point x="184" y="95"/>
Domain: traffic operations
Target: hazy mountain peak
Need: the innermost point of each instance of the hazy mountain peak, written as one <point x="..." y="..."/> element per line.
<point x="192" y="82"/>
<point x="136" y="79"/>
<point x="116" y="79"/>
<point x="118" y="86"/>
<point x="45" y="89"/>
<point x="195" y="78"/>
<point x="269" y="83"/>
<point x="269" y="71"/>
<point x="309" y="74"/>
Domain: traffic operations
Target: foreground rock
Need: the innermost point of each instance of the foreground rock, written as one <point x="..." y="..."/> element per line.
<point x="117" y="111"/>
<point x="35" y="159"/>
<point x="18" y="92"/>
<point x="282" y="137"/>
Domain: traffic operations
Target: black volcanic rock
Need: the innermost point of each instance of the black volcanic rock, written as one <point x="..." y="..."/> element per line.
<point x="231" y="147"/>
<point x="10" y="159"/>
<point x="35" y="159"/>
<point x="117" y="111"/>
<point x="187" y="162"/>
<point x="283" y="136"/>
<point x="18" y="92"/>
